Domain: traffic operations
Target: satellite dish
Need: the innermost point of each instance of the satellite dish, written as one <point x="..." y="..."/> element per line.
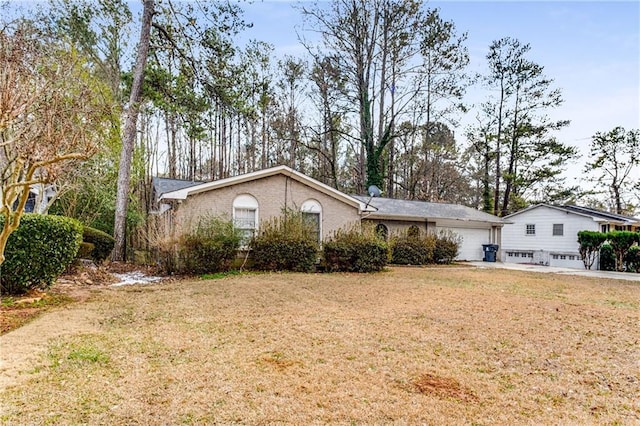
<point x="374" y="191"/>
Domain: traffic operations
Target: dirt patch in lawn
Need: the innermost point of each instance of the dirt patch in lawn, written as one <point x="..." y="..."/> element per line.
<point x="408" y="346"/>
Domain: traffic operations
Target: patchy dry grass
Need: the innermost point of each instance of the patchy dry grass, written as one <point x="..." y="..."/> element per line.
<point x="409" y="346"/>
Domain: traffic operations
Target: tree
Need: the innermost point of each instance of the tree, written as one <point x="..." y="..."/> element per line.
<point x="527" y="155"/>
<point x="590" y="243"/>
<point x="615" y="155"/>
<point x="130" y="130"/>
<point x="376" y="41"/>
<point x="53" y="113"/>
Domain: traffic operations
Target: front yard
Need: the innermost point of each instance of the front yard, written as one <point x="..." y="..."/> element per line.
<point x="407" y="346"/>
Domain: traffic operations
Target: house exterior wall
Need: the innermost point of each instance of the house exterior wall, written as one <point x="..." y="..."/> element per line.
<point x="273" y="193"/>
<point x="544" y="247"/>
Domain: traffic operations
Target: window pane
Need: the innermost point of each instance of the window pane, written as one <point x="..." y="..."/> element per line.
<point x="531" y="230"/>
<point x="558" y="229"/>
<point x="313" y="219"/>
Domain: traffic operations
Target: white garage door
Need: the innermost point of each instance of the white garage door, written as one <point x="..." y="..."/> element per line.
<point x="562" y="260"/>
<point x="472" y="241"/>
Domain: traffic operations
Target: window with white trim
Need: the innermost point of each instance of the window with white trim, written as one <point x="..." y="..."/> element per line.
<point x="245" y="217"/>
<point x="558" y="229"/>
<point x="312" y="214"/>
<point x="530" y="229"/>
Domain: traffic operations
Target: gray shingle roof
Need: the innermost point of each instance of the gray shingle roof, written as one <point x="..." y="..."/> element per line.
<point x="600" y="213"/>
<point x="162" y="185"/>
<point x="424" y="210"/>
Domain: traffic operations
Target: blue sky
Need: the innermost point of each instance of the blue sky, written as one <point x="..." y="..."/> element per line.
<point x="590" y="48"/>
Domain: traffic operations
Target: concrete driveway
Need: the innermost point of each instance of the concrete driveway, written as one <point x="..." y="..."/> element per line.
<point x="563" y="271"/>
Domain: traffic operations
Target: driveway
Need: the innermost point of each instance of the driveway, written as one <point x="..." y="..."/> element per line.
<point x="563" y="271"/>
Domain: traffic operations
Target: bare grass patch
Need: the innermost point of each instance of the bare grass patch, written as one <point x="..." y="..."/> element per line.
<point x="407" y="346"/>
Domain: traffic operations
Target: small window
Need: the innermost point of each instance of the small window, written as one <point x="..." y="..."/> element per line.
<point x="516" y="255"/>
<point x="510" y="254"/>
<point x="558" y="229"/>
<point x="382" y="231"/>
<point x="413" y="231"/>
<point x="555" y="256"/>
<point x="530" y="230"/>
<point x="563" y="257"/>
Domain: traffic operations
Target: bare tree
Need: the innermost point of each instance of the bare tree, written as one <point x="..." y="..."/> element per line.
<point x="52" y="114"/>
<point x="130" y="130"/>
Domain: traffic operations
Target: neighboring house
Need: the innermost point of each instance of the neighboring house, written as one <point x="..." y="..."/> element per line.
<point x="548" y="235"/>
<point x="254" y="197"/>
<point x="40" y="198"/>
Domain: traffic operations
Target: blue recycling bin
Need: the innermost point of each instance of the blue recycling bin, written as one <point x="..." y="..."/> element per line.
<point x="490" y="251"/>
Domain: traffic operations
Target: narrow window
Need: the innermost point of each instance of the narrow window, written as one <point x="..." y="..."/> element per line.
<point x="558" y="229"/>
<point x="245" y="217"/>
<point x="312" y="215"/>
<point x="530" y="229"/>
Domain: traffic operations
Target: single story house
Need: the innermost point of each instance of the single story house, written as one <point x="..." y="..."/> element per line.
<point x="548" y="235"/>
<point x="251" y="198"/>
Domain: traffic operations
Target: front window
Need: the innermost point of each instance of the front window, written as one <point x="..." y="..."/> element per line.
<point x="312" y="215"/>
<point x="245" y="217"/>
<point x="530" y="230"/>
<point x="382" y="231"/>
<point x="558" y="229"/>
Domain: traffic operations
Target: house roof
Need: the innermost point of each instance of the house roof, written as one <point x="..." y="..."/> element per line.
<point x="388" y="208"/>
<point x="163" y="185"/>
<point x="183" y="193"/>
<point x="596" y="215"/>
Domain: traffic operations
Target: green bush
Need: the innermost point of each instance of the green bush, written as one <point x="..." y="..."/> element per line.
<point x="285" y="243"/>
<point x="411" y="250"/>
<point x="620" y="242"/>
<point x="103" y="243"/>
<point x="38" y="252"/>
<point x="355" y="250"/>
<point x="447" y="246"/>
<point x="607" y="258"/>
<point x="590" y="243"/>
<point x="632" y="259"/>
<point x="210" y="247"/>
<point x="85" y="250"/>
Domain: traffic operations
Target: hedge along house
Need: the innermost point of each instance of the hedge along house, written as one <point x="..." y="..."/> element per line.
<point x="254" y="197"/>
<point x="548" y="235"/>
<point x="474" y="227"/>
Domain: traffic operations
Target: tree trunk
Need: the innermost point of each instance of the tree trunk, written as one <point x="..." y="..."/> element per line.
<point x="124" y="171"/>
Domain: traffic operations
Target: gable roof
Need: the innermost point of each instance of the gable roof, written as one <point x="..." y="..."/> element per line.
<point x="596" y="215"/>
<point x="183" y="193"/>
<point x="389" y="208"/>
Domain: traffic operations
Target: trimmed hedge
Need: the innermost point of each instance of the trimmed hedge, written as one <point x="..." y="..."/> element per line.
<point x="355" y="250"/>
<point x="607" y="258"/>
<point x="632" y="259"/>
<point x="38" y="252"/>
<point x="103" y="243"/>
<point x="285" y="243"/>
<point x="590" y="243"/>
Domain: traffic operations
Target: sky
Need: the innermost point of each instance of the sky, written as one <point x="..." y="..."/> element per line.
<point x="590" y="48"/>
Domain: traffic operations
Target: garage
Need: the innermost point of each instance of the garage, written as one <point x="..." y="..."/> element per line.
<point x="472" y="241"/>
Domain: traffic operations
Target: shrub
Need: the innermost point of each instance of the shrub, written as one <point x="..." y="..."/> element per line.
<point x="285" y="243"/>
<point x="607" y="258"/>
<point x="39" y="251"/>
<point x="590" y="243"/>
<point x="210" y="247"/>
<point x="412" y="250"/>
<point x="85" y="250"/>
<point x="447" y="246"/>
<point x="620" y="242"/>
<point x="632" y="259"/>
<point x="103" y="243"/>
<point x="355" y="250"/>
